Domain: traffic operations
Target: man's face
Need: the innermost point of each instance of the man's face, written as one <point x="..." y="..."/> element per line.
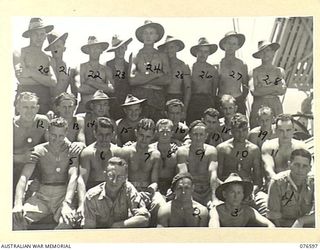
<point x="211" y="122"/>
<point x="120" y="52"/>
<point x="240" y="134"/>
<point x="103" y="136"/>
<point x="57" y="136"/>
<point x="203" y="53"/>
<point x="265" y="121"/>
<point x="115" y="177"/>
<point x="229" y="109"/>
<point x="57" y="49"/>
<point x="175" y="114"/>
<point x="149" y="35"/>
<point x="164" y="133"/>
<point x="27" y="109"/>
<point x="95" y="51"/>
<point x="285" y="131"/>
<point x="144" y="137"/>
<point x="233" y="194"/>
<point x="183" y="189"/>
<point x="37" y="37"/>
<point x="100" y="108"/>
<point x="198" y="135"/>
<point x="171" y="49"/>
<point x="267" y="54"/>
<point x="66" y="108"/>
<point x="133" y="112"/>
<point x="300" y="167"/>
<point x="231" y="44"/>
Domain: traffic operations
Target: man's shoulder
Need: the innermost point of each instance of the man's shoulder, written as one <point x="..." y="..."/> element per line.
<point x="95" y="191"/>
<point x="270" y="144"/>
<point x="251" y="146"/>
<point x="89" y="150"/>
<point x="183" y="126"/>
<point x="42" y="118"/>
<point x="224" y="145"/>
<point x="209" y="148"/>
<point x="255" y="131"/>
<point x="298" y="144"/>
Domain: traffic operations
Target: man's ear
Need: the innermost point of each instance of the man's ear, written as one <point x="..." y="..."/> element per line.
<point x="37" y="108"/>
<point x="236" y="108"/>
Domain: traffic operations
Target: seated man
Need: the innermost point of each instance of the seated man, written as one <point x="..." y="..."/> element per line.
<point x="265" y="130"/>
<point x="132" y="108"/>
<point x="200" y="160"/>
<point x="58" y="169"/>
<point x="168" y="153"/>
<point x="211" y="119"/>
<point x="229" y="108"/>
<point x="291" y="195"/>
<point x="233" y="212"/>
<point x="115" y="203"/>
<point x="182" y="211"/>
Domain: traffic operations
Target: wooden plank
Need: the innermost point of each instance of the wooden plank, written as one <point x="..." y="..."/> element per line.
<point x="282" y="41"/>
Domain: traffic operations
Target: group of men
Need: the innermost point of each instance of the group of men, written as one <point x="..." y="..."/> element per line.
<point x="151" y="142"/>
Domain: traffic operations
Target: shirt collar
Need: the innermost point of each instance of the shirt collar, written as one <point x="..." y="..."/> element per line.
<point x="103" y="190"/>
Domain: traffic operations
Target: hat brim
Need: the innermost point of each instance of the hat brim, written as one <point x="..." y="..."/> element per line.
<point x="194" y="49"/>
<point x="103" y="45"/>
<point x="241" y="39"/>
<point x="88" y="103"/>
<point x="48" y="29"/>
<point x="120" y="44"/>
<point x="133" y="103"/>
<point x="274" y="46"/>
<point x="63" y="37"/>
<point x="247" y="189"/>
<point x="158" y="27"/>
<point x="179" y="43"/>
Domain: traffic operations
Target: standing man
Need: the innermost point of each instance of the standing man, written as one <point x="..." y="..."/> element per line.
<point x="32" y="66"/>
<point x="204" y="80"/>
<point x="150" y="70"/>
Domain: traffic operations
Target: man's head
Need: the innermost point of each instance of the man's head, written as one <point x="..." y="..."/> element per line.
<point x="65" y="105"/>
<point x="228" y="106"/>
<point x="57" y="132"/>
<point x="116" y="174"/>
<point x="145" y="132"/>
<point x="174" y="110"/>
<point x="56" y="44"/>
<point x="121" y="51"/>
<point x="239" y="127"/>
<point x="265" y="117"/>
<point x="100" y="108"/>
<point x="231" y="44"/>
<point x="133" y="112"/>
<point x="37" y="37"/>
<point x="198" y="133"/>
<point x="149" y="35"/>
<point x="27" y="105"/>
<point x="300" y="164"/>
<point x="203" y="53"/>
<point x="211" y="119"/>
<point x="284" y="127"/>
<point x="182" y="186"/>
<point x="233" y="194"/>
<point x="164" y="130"/>
<point x="104" y="131"/>
<point x="171" y="49"/>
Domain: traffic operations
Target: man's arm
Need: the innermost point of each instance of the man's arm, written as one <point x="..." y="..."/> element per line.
<point x="220" y="156"/>
<point x="48" y="80"/>
<point x="257" y="173"/>
<point x="245" y="81"/>
<point x="214" y="218"/>
<point x="156" y="162"/>
<point x="274" y="204"/>
<point x="215" y="82"/>
<point x="267" y="159"/>
<point x="85" y="165"/>
<point x="261" y="220"/>
<point x="187" y="86"/>
<point x="89" y="220"/>
<point x="181" y="160"/>
<point x="306" y="219"/>
<point x="213" y="166"/>
<point x="282" y="86"/>
<point x="81" y="137"/>
<point x="163" y="216"/>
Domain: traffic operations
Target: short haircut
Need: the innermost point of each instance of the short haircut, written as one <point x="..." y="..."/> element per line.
<point x="117" y="161"/>
<point x="64" y="96"/>
<point x="211" y="112"/>
<point x="146" y="124"/>
<point x="104" y="122"/>
<point x="164" y="122"/>
<point x="301" y="152"/>
<point x="227" y="98"/>
<point x="284" y="117"/>
<point x="26" y="96"/>
<point x="238" y="121"/>
<point x="197" y="123"/>
<point x="174" y="103"/>
<point x="59" y="123"/>
<point x="265" y="110"/>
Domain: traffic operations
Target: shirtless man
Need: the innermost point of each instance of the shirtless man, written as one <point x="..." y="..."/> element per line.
<point x="144" y="163"/>
<point x="180" y="85"/>
<point x="168" y="153"/>
<point x="268" y="82"/>
<point x="233" y="73"/>
<point x="93" y="75"/>
<point x="183" y="211"/>
<point x="200" y="160"/>
<point x="266" y="130"/>
<point x="126" y="126"/>
<point x="276" y="152"/>
<point x="175" y="112"/>
<point x="58" y="169"/>
<point x="94" y="157"/>
<point x="150" y="70"/>
<point x="211" y="119"/>
<point x="120" y="74"/>
<point x="229" y="108"/>
<point x="204" y="80"/>
<point x="28" y="131"/>
<point x="32" y="66"/>
<point x="65" y="75"/>
<point x="238" y="155"/>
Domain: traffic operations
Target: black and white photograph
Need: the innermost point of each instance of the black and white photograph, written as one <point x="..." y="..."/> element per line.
<point x="155" y="122"/>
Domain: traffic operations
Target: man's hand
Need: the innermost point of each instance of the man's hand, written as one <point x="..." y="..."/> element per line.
<point x="76" y="148"/>
<point x="80" y="215"/>
<point x="67" y="213"/>
<point x="17" y="213"/>
<point x="146" y="197"/>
